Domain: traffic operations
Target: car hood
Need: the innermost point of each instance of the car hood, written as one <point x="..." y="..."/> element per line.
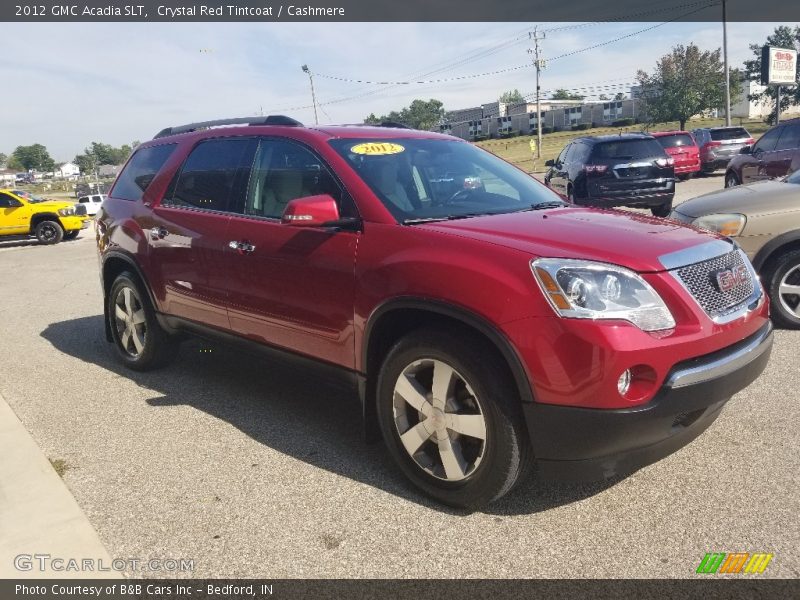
<point x="624" y="238"/>
<point x="760" y="198"/>
<point x="52" y="205"/>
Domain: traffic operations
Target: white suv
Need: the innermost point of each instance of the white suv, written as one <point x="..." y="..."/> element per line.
<point x="92" y="203"/>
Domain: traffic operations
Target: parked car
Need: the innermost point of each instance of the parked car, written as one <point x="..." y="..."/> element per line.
<point x="764" y="219"/>
<point x="629" y="169"/>
<point x="683" y="149"/>
<point x="776" y="154"/>
<point x="49" y="220"/>
<point x="486" y="329"/>
<point x="92" y="203"/>
<point x="718" y="145"/>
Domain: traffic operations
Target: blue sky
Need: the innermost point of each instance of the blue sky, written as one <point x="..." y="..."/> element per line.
<point x="67" y="85"/>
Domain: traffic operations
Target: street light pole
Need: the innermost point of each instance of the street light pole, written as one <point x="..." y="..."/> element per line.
<point x="725" y="63"/>
<point x="313" y="96"/>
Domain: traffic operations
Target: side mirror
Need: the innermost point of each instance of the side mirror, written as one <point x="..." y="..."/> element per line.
<point x="549" y="163"/>
<point x="746" y="150"/>
<point x="311" y="211"/>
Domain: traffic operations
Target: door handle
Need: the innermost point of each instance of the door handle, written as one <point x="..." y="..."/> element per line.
<point x="243" y="247"/>
<point x="158" y="233"/>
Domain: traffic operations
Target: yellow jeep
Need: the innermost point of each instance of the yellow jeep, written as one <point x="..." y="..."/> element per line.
<point x="22" y="214"/>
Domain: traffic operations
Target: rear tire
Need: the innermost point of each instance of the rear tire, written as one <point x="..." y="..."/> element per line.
<point x="71" y="235"/>
<point x="782" y="280"/>
<point x="441" y="449"/>
<point x="49" y="232"/>
<point x="139" y="341"/>
<point x="663" y="210"/>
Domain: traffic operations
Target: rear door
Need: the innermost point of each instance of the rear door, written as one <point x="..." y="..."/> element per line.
<point x="293" y="287"/>
<point x="188" y="232"/>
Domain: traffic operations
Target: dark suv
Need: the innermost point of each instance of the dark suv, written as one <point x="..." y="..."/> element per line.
<point x="630" y="169"/>
<point x="776" y="154"/>
<point x="486" y="324"/>
<point x="718" y="145"/>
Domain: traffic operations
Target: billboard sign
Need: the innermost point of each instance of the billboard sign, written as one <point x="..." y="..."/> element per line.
<point x="778" y="66"/>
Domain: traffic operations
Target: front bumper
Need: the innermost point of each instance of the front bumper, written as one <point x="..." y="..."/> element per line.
<point x="586" y="444"/>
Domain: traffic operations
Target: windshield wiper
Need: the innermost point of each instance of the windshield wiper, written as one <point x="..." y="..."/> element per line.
<point x="424" y="220"/>
<point x="545" y="205"/>
<point x="450" y="217"/>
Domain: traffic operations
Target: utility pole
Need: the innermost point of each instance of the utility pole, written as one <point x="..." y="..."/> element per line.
<point x="540" y="64"/>
<point x="725" y="64"/>
<point x="313" y="97"/>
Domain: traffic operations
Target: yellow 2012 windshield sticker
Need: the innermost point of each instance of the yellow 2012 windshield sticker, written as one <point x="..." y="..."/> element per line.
<point x="377" y="148"/>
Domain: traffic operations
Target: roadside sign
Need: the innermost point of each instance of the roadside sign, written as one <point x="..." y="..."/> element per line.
<point x="778" y="66"/>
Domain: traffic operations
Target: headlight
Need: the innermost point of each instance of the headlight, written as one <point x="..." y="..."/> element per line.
<point x="66" y="212"/>
<point x="582" y="289"/>
<point x="725" y="224"/>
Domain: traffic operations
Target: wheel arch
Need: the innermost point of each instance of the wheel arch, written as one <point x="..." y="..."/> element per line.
<point x="37" y="218"/>
<point x="785" y="242"/>
<point x="115" y="263"/>
<point x="395" y="318"/>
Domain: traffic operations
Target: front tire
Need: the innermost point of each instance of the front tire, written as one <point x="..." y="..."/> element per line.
<point x="783" y="286"/>
<point x="49" y="232"/>
<point x="140" y="342"/>
<point x="451" y="418"/>
<point x="662" y="210"/>
<point x="731" y="180"/>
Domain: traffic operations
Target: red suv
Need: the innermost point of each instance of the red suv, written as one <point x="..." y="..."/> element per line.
<point x="682" y="147"/>
<point x="486" y="327"/>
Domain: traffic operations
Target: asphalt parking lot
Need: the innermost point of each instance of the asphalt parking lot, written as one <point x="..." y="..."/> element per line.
<point x="253" y="469"/>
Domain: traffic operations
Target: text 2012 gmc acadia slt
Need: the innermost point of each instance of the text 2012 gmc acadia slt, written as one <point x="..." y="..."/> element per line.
<point x="489" y="325"/>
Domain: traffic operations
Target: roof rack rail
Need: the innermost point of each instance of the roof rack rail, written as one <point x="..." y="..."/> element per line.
<point x="395" y="125"/>
<point x="268" y="120"/>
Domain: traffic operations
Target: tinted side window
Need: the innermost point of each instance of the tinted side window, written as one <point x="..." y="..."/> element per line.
<point x="768" y="140"/>
<point x="140" y="171"/>
<point x="283" y="171"/>
<point x="212" y="176"/>
<point x="790" y="138"/>
<point x="579" y="153"/>
<point x="5" y="201"/>
<point x="562" y="158"/>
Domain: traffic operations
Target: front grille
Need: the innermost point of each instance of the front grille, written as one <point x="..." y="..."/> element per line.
<point x="700" y="280"/>
<point x="80" y="210"/>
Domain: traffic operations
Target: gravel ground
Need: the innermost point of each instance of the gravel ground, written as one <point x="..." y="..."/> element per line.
<point x="253" y="469"/>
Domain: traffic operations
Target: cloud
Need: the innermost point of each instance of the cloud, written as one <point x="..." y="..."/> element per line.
<point x="81" y="82"/>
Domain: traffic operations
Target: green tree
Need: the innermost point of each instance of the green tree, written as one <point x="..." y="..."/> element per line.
<point x="34" y="157"/>
<point x="3" y="160"/>
<point x="562" y="94"/>
<point x="86" y="162"/>
<point x="102" y="154"/>
<point x="420" y="114"/>
<point x="782" y="37"/>
<point x="512" y="97"/>
<point x="685" y="83"/>
<point x="619" y="96"/>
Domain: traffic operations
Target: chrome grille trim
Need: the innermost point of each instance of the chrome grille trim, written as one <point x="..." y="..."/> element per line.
<point x="721" y="307"/>
<point x="695" y="254"/>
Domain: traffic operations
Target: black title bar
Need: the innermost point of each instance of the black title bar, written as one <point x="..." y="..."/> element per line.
<point x="784" y="11"/>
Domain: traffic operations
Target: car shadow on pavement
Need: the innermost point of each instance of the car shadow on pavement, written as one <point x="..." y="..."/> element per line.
<point x="303" y="415"/>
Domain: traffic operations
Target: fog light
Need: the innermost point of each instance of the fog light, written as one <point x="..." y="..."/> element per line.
<point x="624" y="382"/>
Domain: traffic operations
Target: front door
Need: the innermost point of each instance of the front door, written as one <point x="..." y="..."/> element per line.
<point x="15" y="216"/>
<point x="292" y="287"/>
<point x="763" y="152"/>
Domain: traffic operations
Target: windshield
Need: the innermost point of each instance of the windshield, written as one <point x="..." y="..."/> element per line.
<point x="674" y="141"/>
<point x="628" y="149"/>
<point x="729" y="133"/>
<point x="429" y="179"/>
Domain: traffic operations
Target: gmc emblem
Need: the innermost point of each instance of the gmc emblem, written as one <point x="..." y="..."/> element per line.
<point x="730" y="278"/>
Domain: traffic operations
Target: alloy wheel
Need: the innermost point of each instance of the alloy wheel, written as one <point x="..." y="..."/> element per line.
<point x="130" y="321"/>
<point x="49" y="232"/>
<point x="789" y="291"/>
<point x="439" y="420"/>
